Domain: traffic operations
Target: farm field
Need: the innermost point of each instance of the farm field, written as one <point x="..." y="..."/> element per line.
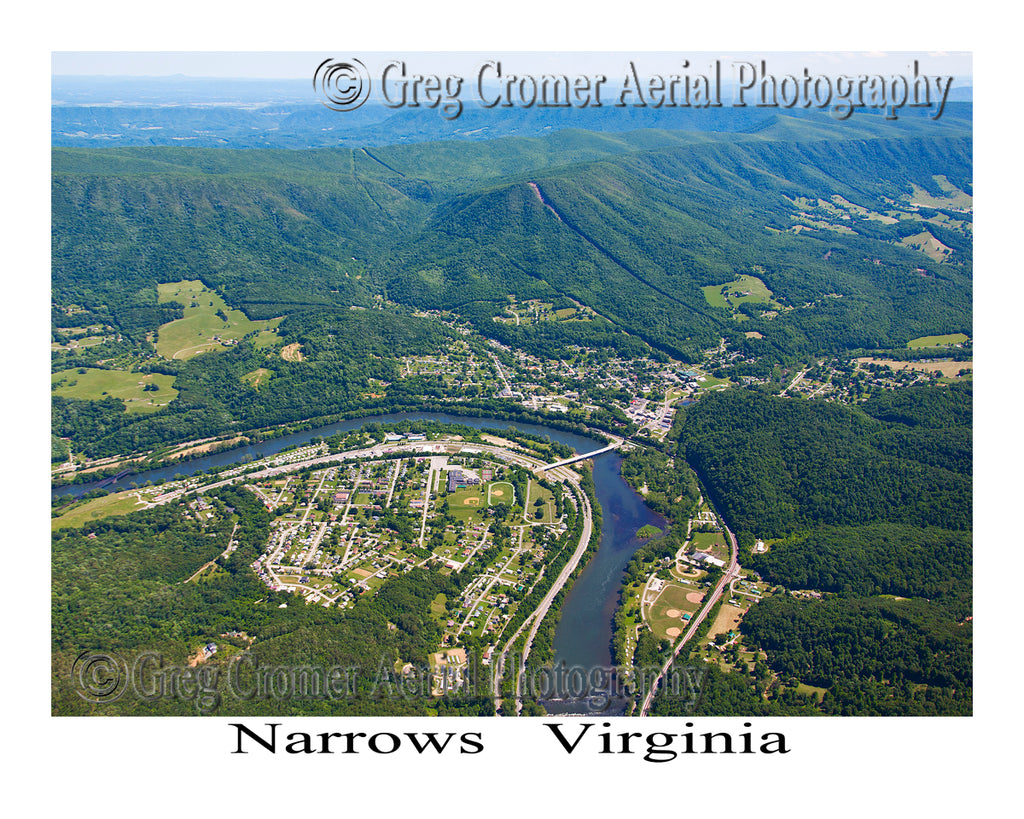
<point x="949" y="369"/>
<point x="202" y="329"/>
<point x="938" y="341"/>
<point x="95" y="385"/>
<point x="928" y="245"/>
<point x="953" y="197"/>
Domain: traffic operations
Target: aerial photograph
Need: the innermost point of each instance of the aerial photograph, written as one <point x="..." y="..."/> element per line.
<point x="512" y="384"/>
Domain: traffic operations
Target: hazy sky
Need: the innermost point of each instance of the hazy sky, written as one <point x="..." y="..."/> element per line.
<point x="300" y="65"/>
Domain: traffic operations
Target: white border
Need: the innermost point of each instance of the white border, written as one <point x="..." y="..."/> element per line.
<point x="838" y="767"/>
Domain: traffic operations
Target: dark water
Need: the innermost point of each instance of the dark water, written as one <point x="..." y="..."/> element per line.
<point x="584" y="634"/>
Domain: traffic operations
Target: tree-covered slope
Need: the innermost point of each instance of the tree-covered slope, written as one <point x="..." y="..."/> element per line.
<point x="632" y="225"/>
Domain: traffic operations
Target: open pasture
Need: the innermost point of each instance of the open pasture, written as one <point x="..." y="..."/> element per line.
<point x="208" y="322"/>
<point x="95" y="385"/>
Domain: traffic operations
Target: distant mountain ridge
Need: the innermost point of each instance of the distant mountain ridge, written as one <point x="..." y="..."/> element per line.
<point x="193" y="112"/>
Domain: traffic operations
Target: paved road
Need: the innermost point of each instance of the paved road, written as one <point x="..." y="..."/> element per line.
<point x="538" y="614"/>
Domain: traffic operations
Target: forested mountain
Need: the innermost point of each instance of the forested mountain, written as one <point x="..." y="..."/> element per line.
<point x="632" y="225"/>
<point x="870" y="506"/>
<point x="777" y="466"/>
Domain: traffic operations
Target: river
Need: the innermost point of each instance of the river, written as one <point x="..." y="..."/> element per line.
<point x="583" y="637"/>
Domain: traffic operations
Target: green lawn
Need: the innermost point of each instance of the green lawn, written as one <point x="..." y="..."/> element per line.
<point x="547" y="508"/>
<point x="938" y="341"/>
<point x="96" y="385"/>
<point x="741" y="289"/>
<point x="195" y="332"/>
<point x="715" y="541"/>
<point x="119" y="503"/>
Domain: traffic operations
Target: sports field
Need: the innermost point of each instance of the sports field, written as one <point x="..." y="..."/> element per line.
<point x="207" y="324"/>
<point x="500" y="492"/>
<point x="467" y="502"/>
<point x="666" y="613"/>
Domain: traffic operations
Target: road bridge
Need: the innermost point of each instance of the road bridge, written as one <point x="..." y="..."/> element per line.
<point x="582" y="457"/>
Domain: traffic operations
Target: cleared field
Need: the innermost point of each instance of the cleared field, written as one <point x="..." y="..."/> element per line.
<point x="938" y="341"/>
<point x="88" y="341"/>
<point x="292" y="352"/>
<point x="95" y="385"/>
<point x="728" y="619"/>
<point x="208" y="322"/>
<point x="119" y="503"/>
<point x="741" y="289"/>
<point x="257" y="377"/>
<point x="949" y="369"/>
<point x="952" y="196"/>
<point x="928" y="245"/>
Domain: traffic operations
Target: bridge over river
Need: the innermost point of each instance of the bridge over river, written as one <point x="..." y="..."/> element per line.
<point x="581" y="457"/>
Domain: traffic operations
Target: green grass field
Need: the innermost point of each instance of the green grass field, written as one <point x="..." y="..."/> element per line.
<point x="95" y="385"/>
<point x="500" y="492"/>
<point x="938" y="341"/>
<point x="547" y="508"/>
<point x="715" y="541"/>
<point x="468" y="502"/>
<point x="257" y="378"/>
<point x="195" y="333"/>
<point x="952" y="196"/>
<point x="119" y="503"/>
<point x="672" y="598"/>
<point x="741" y="289"/>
